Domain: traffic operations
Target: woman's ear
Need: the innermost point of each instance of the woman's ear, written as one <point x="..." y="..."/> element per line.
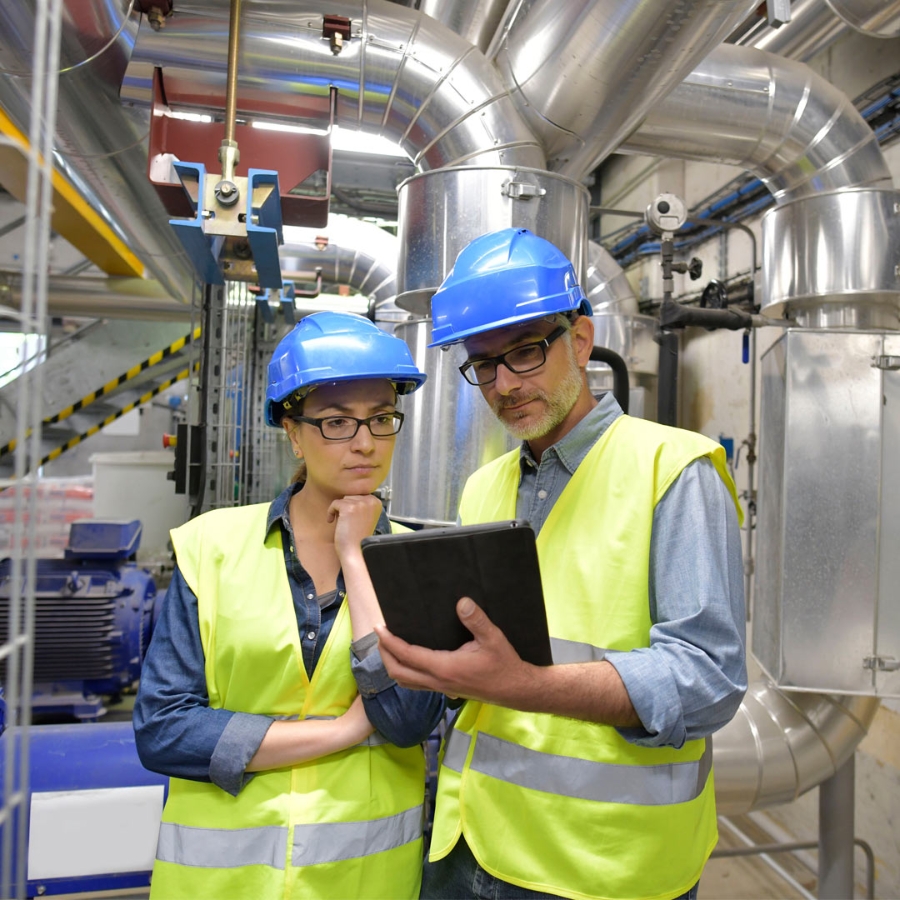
<point x="292" y="430"/>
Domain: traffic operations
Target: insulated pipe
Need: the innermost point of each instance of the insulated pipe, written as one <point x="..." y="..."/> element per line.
<point x="816" y="25"/>
<point x="585" y="72"/>
<point x="100" y="144"/>
<point x="475" y="20"/>
<point x="790" y="127"/>
<point x="401" y="74"/>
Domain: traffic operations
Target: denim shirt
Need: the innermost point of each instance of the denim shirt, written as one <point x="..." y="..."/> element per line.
<point x="176" y="731"/>
<point x="691" y="679"/>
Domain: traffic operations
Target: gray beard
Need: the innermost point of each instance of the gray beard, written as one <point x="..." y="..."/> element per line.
<point x="556" y="406"/>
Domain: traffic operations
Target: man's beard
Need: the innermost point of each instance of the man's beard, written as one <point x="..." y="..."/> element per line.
<point x="556" y="406"/>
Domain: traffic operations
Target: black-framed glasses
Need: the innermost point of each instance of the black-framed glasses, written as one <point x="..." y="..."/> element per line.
<point x="522" y="359"/>
<point x="342" y="428"/>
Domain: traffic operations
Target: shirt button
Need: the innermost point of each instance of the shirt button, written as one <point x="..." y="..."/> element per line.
<point x="542" y="495"/>
<point x="310" y="596"/>
<point x="311" y="635"/>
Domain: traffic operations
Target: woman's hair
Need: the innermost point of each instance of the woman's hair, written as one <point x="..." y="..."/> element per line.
<point x="299" y="473"/>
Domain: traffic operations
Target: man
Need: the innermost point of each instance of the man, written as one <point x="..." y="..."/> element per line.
<point x="590" y="778"/>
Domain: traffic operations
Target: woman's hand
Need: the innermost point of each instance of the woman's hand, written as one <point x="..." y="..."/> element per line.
<point x="357" y="516"/>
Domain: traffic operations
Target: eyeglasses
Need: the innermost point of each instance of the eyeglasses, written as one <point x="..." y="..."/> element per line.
<point x="520" y="360"/>
<point x="342" y="428"/>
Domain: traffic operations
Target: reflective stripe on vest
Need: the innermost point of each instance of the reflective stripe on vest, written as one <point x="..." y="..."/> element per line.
<point x="574" y="652"/>
<point x="222" y="848"/>
<point x="336" y="841"/>
<point x="323" y="842"/>
<point x="580" y="778"/>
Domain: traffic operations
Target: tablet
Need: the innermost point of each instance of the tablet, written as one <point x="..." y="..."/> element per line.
<point x="420" y="575"/>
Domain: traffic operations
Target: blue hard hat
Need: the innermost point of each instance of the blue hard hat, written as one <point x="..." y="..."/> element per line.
<point x="326" y="347"/>
<point x="503" y="278"/>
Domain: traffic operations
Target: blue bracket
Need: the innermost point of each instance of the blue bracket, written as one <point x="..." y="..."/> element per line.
<point x="264" y="228"/>
<point x="263" y="308"/>
<point x="202" y="250"/>
<point x="287" y="302"/>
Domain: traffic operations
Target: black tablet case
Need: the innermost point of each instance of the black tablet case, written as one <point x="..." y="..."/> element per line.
<point x="419" y="576"/>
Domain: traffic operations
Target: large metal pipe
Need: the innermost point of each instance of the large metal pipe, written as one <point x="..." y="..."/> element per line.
<point x="401" y="74"/>
<point x="475" y="20"/>
<point x="100" y="144"/>
<point x="789" y="126"/>
<point x="346" y="252"/>
<point x="816" y="25"/>
<point x="584" y="73"/>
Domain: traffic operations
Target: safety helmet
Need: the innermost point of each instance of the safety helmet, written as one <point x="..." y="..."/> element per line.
<point x="500" y="279"/>
<point x="327" y="347"/>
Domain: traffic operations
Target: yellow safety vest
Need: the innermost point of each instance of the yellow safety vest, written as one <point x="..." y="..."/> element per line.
<point x="344" y="825"/>
<point x="564" y="806"/>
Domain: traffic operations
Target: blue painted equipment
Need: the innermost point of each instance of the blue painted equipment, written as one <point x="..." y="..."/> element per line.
<point x="504" y="278"/>
<point x="328" y="346"/>
<point x="92" y="811"/>
<point x="93" y="618"/>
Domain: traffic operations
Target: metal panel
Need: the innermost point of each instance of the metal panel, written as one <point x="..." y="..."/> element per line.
<point x="887" y="643"/>
<point x="828" y="492"/>
<point x="767" y="598"/>
<point x="449" y="432"/>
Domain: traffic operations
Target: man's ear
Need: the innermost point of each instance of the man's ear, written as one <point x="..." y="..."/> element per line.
<point x="583" y="339"/>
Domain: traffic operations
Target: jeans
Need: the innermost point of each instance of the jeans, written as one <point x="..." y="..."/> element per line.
<point x="458" y="876"/>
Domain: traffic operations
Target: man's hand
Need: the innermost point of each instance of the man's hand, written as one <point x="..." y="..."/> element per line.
<point x="487" y="668"/>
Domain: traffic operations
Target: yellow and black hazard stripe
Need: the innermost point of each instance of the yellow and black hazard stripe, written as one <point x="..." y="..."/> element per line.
<point x="144" y="398"/>
<point x="110" y="386"/>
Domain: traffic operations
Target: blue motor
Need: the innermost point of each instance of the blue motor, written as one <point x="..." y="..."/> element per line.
<point x="93" y="618"/>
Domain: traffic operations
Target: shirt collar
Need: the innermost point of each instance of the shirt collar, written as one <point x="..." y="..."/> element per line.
<point x="574" y="446"/>
<point x="279" y="511"/>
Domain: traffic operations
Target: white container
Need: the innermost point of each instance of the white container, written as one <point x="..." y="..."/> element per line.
<point x="134" y="485"/>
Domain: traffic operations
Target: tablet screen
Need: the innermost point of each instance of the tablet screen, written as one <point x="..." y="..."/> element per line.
<point x="419" y="576"/>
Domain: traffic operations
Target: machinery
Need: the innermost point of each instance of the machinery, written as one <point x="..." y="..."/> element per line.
<point x="94" y="616"/>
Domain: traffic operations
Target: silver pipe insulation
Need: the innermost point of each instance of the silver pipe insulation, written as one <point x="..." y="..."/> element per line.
<point x="775" y="117"/>
<point x="474" y="20"/>
<point x="815" y="25"/>
<point x="100" y="145"/>
<point x="401" y="74"/>
<point x="584" y="73"/>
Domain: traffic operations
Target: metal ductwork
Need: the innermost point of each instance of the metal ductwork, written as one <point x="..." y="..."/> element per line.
<point x="775" y="117"/>
<point x="584" y="73"/>
<point x="401" y="75"/>
<point x="347" y="252"/>
<point x="100" y="144"/>
<point x="815" y="25"/>
<point x="475" y="20"/>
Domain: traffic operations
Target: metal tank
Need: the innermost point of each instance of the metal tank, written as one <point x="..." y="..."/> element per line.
<point x="449" y="433"/>
<point x="441" y="211"/>
<point x="830" y="260"/>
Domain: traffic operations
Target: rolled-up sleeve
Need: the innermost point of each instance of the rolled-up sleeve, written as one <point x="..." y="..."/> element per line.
<point x="691" y="679"/>
<point x="401" y="716"/>
<point x="176" y="731"/>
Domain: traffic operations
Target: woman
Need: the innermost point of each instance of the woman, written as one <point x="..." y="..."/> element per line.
<point x="263" y="686"/>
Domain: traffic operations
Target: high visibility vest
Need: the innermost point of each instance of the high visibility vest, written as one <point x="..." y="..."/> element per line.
<point x="345" y="825"/>
<point x="564" y="806"/>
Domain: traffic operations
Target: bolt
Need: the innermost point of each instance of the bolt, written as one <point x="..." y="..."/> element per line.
<point x="156" y="18"/>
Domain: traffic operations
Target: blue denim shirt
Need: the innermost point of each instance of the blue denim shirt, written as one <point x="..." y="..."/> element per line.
<point x="176" y="731"/>
<point x="691" y="679"/>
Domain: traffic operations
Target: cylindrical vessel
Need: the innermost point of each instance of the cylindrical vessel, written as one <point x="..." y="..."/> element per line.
<point x="449" y="433"/>
<point x="441" y="211"/>
<point x="830" y="260"/>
